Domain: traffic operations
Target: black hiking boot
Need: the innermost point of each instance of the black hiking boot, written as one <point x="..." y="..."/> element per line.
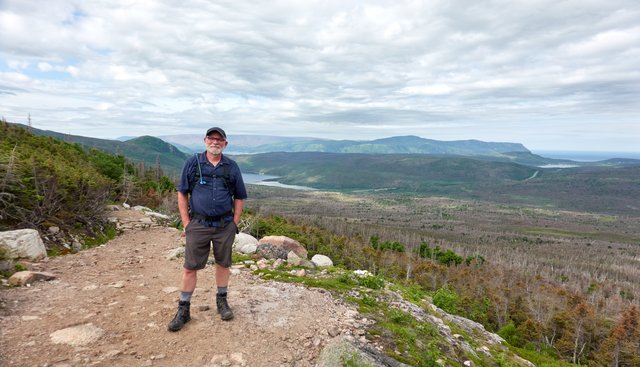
<point x="223" y="307"/>
<point x="182" y="316"/>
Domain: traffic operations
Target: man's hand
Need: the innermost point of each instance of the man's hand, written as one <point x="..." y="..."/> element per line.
<point x="184" y="229"/>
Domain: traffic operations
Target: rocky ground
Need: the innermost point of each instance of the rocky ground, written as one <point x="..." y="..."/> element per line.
<point x="109" y="306"/>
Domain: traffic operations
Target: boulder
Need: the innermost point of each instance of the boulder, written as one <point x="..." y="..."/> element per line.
<point x="27" y="277"/>
<point x="321" y="261"/>
<point x="277" y="247"/>
<point x="23" y="243"/>
<point x="245" y="243"/>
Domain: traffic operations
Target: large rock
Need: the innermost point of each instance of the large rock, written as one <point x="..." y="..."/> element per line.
<point x="23" y="243"/>
<point x="342" y="351"/>
<point x="245" y="243"/>
<point x="277" y="247"/>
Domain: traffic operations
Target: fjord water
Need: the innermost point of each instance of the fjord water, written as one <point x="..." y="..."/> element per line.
<point x="268" y="180"/>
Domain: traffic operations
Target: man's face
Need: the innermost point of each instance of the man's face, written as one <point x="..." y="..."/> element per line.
<point x="215" y="143"/>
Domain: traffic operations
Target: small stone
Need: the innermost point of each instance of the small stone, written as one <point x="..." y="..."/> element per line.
<point x="170" y="289"/>
<point x="113" y="353"/>
<point x="238" y="359"/>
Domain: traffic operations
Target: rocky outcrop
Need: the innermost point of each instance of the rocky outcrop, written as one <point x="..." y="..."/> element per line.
<point x="345" y="351"/>
<point x="23" y="243"/>
<point x="126" y="218"/>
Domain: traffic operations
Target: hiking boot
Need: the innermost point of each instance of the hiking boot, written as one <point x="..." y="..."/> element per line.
<point x="223" y="307"/>
<point x="182" y="316"/>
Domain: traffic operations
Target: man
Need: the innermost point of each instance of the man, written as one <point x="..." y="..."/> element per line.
<point x="211" y="196"/>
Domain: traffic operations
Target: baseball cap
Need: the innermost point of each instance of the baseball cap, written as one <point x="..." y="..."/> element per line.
<point x="218" y="130"/>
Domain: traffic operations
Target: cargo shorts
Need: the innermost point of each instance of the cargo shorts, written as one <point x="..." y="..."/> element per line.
<point x="199" y="241"/>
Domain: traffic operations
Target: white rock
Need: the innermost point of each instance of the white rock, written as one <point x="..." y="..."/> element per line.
<point x="126" y="206"/>
<point x="175" y="253"/>
<point x="243" y="240"/>
<point x="249" y="249"/>
<point x="23" y="243"/>
<point x="77" y="335"/>
<point x="321" y="261"/>
<point x="157" y="215"/>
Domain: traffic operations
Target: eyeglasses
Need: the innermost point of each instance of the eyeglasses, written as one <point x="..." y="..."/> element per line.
<point x="215" y="140"/>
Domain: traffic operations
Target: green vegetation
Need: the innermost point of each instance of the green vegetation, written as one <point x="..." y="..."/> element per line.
<point x="48" y="182"/>
<point x="145" y="151"/>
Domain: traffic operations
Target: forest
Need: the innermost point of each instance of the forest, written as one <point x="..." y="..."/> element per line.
<point x="556" y="283"/>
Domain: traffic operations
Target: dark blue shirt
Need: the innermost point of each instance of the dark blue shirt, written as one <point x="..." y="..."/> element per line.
<point x="209" y="195"/>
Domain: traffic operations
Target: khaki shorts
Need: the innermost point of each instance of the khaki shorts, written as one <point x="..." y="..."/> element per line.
<point x="199" y="239"/>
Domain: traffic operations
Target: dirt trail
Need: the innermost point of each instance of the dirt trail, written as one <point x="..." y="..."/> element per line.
<point x="128" y="290"/>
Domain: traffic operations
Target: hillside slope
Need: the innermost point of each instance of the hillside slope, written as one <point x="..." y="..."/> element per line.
<point x="122" y="295"/>
<point x="147" y="149"/>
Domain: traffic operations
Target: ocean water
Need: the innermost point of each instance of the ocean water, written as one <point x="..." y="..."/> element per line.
<point x="584" y="156"/>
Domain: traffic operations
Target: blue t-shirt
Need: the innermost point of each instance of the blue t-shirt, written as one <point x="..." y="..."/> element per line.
<point x="210" y="196"/>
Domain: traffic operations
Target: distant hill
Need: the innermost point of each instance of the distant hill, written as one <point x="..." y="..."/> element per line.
<point x="239" y="144"/>
<point x="146" y="149"/>
<point x="357" y="171"/>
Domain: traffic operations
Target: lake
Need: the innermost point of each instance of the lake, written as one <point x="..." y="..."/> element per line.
<point x="255" y="179"/>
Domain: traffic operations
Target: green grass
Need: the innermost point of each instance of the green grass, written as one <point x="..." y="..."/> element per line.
<point x="105" y="235"/>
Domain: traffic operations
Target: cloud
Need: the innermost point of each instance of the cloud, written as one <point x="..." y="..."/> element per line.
<point x="338" y="69"/>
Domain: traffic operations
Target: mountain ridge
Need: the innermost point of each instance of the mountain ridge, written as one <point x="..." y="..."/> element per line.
<point x="252" y="144"/>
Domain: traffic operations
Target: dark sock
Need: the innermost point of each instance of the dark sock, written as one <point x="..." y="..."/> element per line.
<point x="222" y="291"/>
<point x="185" y="296"/>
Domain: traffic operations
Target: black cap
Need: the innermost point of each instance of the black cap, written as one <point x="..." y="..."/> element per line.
<point x="218" y="130"/>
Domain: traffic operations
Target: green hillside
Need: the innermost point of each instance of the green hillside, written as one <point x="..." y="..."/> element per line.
<point x="146" y="149"/>
<point x="604" y="188"/>
<point x="411" y="172"/>
<point x="47" y="182"/>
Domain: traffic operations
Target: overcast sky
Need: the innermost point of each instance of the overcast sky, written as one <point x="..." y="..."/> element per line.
<point x="553" y="75"/>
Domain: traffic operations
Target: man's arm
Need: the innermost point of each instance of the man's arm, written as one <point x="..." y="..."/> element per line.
<point x="237" y="210"/>
<point x="183" y="207"/>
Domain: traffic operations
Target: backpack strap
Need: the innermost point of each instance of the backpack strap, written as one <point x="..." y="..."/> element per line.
<point x="199" y="178"/>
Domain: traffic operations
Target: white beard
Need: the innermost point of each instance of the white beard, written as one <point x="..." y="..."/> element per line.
<point x="214" y="150"/>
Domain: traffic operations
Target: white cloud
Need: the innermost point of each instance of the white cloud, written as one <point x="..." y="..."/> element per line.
<point x="332" y="69"/>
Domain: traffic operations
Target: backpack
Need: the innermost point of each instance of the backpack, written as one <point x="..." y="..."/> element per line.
<point x="199" y="178"/>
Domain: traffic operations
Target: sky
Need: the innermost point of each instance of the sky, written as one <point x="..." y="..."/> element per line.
<point x="552" y="75"/>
